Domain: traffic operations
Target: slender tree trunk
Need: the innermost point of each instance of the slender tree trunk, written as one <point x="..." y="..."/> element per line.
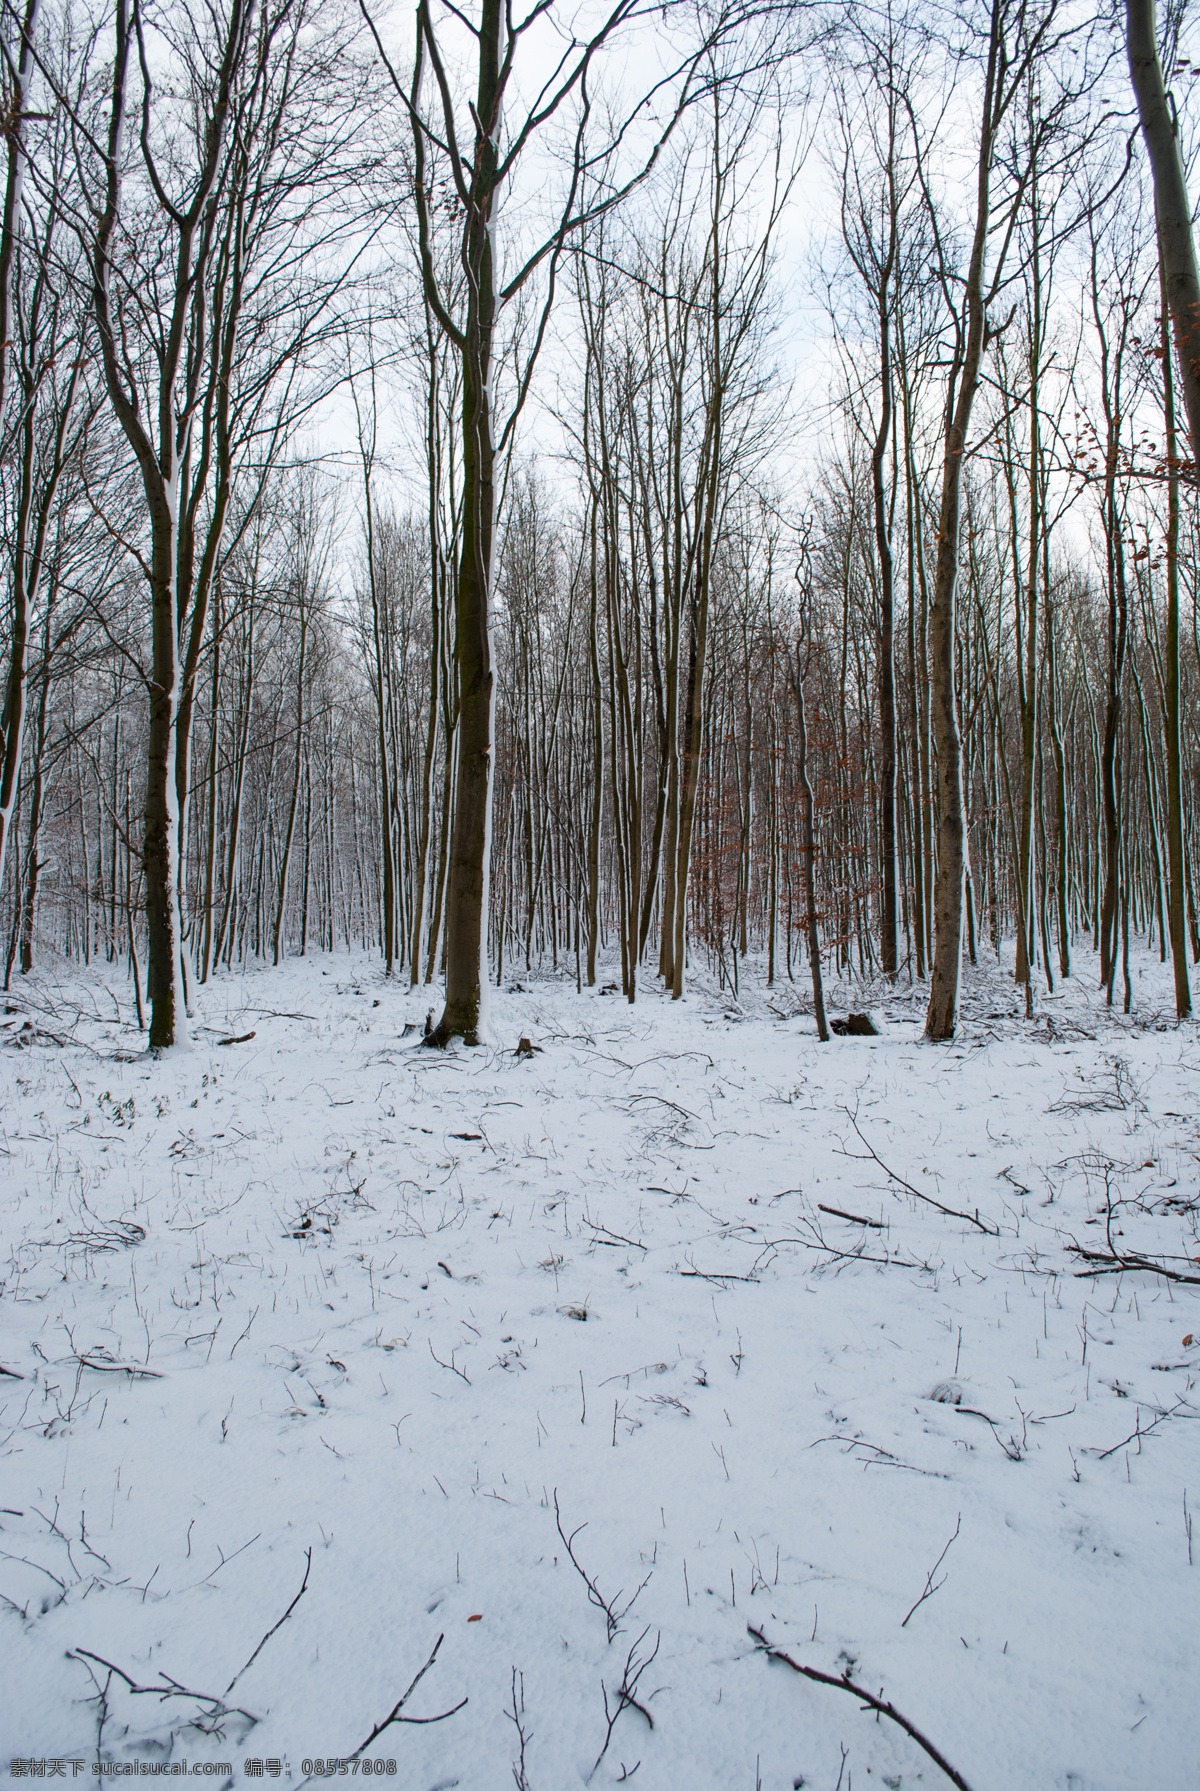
<point x="12" y="716"/>
<point x="886" y="673"/>
<point x="1062" y="868"/>
<point x="596" y="794"/>
<point x="1171" y="716"/>
<point x="808" y="853"/>
<point x="285" y="859"/>
<point x="210" y="856"/>
<point x="942" y="1015"/>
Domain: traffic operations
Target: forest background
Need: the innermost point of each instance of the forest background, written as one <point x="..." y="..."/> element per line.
<point x="673" y="484"/>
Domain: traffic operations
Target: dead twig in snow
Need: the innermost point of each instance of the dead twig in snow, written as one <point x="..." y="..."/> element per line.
<point x="626" y="1699"/>
<point x="394" y="1715"/>
<point x="451" y="1364"/>
<point x="857" y="1254"/>
<point x="878" y="1457"/>
<point x="1121" y="1262"/>
<point x="276" y="1626"/>
<point x="991" y="1231"/>
<point x="171" y="1688"/>
<point x="1139" y="1430"/>
<point x="614" y="1612"/>
<point x="524" y="1736"/>
<point x="836" y="1212"/>
<point x="930" y="1588"/>
<point x="845" y="1683"/>
<point x="613" y="1238"/>
<point x="1099" y="1096"/>
<point x="702" y="1275"/>
<point x="132" y="1369"/>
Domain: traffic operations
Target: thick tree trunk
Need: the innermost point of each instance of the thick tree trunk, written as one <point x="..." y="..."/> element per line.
<point x="465" y="1014"/>
<point x="164" y="975"/>
<point x="1181" y="282"/>
<point x="942" y="1015"/>
<point x="1177" y="245"/>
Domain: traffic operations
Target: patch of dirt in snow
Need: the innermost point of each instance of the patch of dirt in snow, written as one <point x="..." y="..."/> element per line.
<point x="320" y="1346"/>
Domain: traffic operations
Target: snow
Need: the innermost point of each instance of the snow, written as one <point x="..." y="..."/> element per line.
<point x="328" y="1291"/>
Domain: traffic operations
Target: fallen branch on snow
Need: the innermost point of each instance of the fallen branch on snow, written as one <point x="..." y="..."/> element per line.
<point x="1116" y="1262"/>
<point x="1139" y="1431"/>
<point x="394" y="1715"/>
<point x="626" y="1699"/>
<point x="991" y="1231"/>
<point x="614" y="1613"/>
<point x="217" y="1711"/>
<point x="836" y="1212"/>
<point x="845" y="1683"/>
<point x="276" y="1626"/>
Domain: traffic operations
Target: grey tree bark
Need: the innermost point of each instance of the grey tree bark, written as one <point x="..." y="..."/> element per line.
<point x="1181" y="284"/>
<point x="160" y="448"/>
<point x="12" y="716"/>
<point x="477" y="174"/>
<point x="1014" y="41"/>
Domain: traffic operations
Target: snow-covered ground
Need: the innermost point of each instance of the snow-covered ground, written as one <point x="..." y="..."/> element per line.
<point x="323" y="1308"/>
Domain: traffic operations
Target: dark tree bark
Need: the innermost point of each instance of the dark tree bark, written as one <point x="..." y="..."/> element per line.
<point x="477" y="176"/>
<point x="942" y="1015"/>
<point x="1177" y="245"/>
<point x="1014" y="41"/>
<point x="1176" y="862"/>
<point x="12" y="716"/>
<point x="808" y="841"/>
<point x="160" y="447"/>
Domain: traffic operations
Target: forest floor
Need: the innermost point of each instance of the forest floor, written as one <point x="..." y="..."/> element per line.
<point x="578" y="1377"/>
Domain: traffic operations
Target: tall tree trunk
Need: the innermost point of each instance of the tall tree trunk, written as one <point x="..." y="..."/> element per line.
<point x="808" y="847"/>
<point x="942" y="1015"/>
<point x="1062" y="869"/>
<point x="12" y="716"/>
<point x="1177" y="247"/>
<point x="888" y="916"/>
<point x="285" y="860"/>
<point x="465" y="1014"/>
<point x="1176" y="896"/>
<point x="161" y="449"/>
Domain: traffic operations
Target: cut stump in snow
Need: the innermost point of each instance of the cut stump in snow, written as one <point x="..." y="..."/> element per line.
<point x="861" y="1026"/>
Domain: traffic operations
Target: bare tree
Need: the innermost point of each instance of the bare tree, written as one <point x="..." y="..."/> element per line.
<point x="479" y="159"/>
<point x="19" y="67"/>
<point x="1181" y="300"/>
<point x="1013" y="38"/>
